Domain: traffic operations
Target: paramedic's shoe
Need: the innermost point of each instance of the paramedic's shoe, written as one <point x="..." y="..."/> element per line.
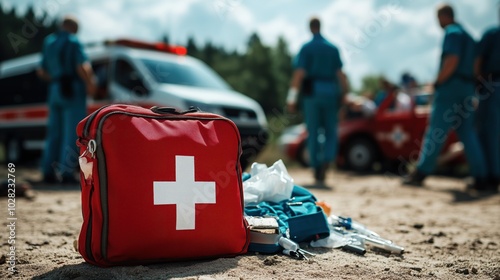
<point x="320" y="184"/>
<point x="416" y="179"/>
<point x="494" y="184"/>
<point x="320" y="172"/>
<point x="480" y="186"/>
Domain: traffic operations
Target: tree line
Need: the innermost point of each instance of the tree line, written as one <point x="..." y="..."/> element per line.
<point x="262" y="72"/>
<point x="23" y="34"/>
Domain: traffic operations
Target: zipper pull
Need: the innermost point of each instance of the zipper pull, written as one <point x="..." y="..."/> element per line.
<point x="86" y="159"/>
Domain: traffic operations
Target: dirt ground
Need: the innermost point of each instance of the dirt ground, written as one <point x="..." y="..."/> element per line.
<point x="447" y="234"/>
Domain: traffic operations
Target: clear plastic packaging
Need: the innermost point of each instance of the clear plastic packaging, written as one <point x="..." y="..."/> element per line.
<point x="272" y="184"/>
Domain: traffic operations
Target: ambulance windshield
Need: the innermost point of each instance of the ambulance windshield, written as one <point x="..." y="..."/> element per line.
<point x="188" y="74"/>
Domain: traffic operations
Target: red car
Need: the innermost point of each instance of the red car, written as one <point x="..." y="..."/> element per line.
<point x="389" y="135"/>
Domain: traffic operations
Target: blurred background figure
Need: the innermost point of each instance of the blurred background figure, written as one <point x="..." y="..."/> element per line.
<point x="409" y="84"/>
<point x="319" y="78"/>
<point x="454" y="86"/>
<point x="488" y="116"/>
<point x="359" y="106"/>
<point x="69" y="74"/>
<point x="419" y="94"/>
<point x="401" y="100"/>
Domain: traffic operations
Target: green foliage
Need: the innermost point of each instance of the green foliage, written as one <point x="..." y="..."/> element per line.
<point x="370" y="83"/>
<point x="23" y="34"/>
<point x="262" y="73"/>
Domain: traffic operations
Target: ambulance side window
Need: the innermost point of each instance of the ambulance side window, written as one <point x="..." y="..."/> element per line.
<point x="127" y="76"/>
<point x="101" y="70"/>
<point x="22" y="89"/>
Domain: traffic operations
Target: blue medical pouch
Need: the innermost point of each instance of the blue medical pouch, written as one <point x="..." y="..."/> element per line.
<point x="299" y="218"/>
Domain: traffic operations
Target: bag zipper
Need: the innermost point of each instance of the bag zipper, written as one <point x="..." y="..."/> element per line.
<point x="88" y="247"/>
<point x="90" y="120"/>
<point x="89" y="183"/>
<point x="85" y="136"/>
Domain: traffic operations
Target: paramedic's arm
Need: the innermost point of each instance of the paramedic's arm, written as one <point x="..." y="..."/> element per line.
<point x="344" y="89"/>
<point x="293" y="92"/>
<point x="84" y="69"/>
<point x="450" y="64"/>
<point x="299" y="64"/>
<point x="87" y="75"/>
<point x="42" y="74"/>
<point x="344" y="86"/>
<point x="478" y="64"/>
<point x="341" y="78"/>
<point x="483" y="50"/>
<point x="452" y="49"/>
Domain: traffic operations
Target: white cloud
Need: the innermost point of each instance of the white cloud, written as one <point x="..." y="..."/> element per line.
<point x="379" y="36"/>
<point x="270" y="32"/>
<point x="239" y="13"/>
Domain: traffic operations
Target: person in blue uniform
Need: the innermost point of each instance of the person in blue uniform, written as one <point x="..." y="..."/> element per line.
<point x="488" y="114"/>
<point x="319" y="78"/>
<point x="454" y="104"/>
<point x="67" y="69"/>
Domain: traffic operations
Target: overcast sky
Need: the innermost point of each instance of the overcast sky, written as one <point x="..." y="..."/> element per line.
<point x="379" y="36"/>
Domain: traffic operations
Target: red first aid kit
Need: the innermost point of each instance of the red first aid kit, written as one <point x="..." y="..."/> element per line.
<point x="159" y="185"/>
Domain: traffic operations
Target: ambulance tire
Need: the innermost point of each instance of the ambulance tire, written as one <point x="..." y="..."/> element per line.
<point x="361" y="154"/>
<point x="14" y="151"/>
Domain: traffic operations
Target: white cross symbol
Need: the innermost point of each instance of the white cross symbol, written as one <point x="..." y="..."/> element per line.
<point x="184" y="192"/>
<point x="398" y="136"/>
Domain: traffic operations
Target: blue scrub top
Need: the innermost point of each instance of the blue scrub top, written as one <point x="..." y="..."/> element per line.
<point x="458" y="42"/>
<point x="489" y="50"/>
<point x="319" y="58"/>
<point x="51" y="57"/>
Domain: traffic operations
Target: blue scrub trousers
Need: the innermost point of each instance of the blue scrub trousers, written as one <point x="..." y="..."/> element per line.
<point x="488" y="121"/>
<point x="61" y="154"/>
<point x="452" y="109"/>
<point x="321" y="113"/>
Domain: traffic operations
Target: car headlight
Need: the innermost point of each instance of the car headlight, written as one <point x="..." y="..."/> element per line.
<point x="205" y="107"/>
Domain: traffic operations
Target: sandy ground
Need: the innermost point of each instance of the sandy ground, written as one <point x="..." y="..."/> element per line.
<point x="446" y="233"/>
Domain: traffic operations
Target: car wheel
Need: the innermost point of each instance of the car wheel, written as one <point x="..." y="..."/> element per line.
<point x="14" y="150"/>
<point x="303" y="156"/>
<point x="360" y="155"/>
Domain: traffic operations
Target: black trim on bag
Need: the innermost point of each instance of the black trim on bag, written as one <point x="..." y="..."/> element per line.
<point x="172" y="110"/>
<point x="101" y="166"/>
<point x="88" y="238"/>
<point x="91" y="118"/>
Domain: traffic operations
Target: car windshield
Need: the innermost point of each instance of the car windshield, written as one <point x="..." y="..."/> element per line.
<point x="188" y="74"/>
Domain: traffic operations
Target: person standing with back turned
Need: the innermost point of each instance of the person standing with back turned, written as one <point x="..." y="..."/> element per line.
<point x="453" y="105"/>
<point x="67" y="69"/>
<point x="488" y="68"/>
<point x="319" y="78"/>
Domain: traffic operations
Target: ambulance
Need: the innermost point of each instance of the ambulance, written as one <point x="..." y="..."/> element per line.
<point x="130" y="72"/>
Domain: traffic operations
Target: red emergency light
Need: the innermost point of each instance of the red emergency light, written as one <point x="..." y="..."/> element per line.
<point x="159" y="46"/>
